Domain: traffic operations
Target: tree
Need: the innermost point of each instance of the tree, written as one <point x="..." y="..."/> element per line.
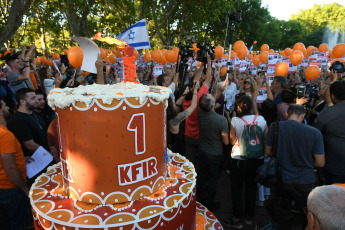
<point x="12" y="17"/>
<point x="320" y="16"/>
<point x="292" y="32"/>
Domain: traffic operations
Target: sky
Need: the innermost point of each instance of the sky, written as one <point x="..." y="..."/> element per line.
<point x="282" y="9"/>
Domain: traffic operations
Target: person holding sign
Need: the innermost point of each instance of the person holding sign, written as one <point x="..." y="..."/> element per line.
<point x="13" y="188"/>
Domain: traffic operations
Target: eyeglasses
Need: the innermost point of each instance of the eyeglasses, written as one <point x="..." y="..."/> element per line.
<point x="247" y="82"/>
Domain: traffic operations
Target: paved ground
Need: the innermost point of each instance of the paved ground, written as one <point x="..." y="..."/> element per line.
<point x="223" y="196"/>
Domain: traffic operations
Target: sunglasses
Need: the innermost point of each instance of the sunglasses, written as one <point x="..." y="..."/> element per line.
<point x="247" y="82"/>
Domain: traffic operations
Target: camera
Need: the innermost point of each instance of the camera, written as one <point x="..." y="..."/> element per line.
<point x="337" y="66"/>
<point x="235" y="17"/>
<point x="205" y="50"/>
<point x="309" y="91"/>
<point x="185" y="49"/>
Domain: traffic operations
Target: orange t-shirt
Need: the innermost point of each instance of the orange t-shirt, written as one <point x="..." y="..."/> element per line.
<point x="10" y="144"/>
<point x="192" y="124"/>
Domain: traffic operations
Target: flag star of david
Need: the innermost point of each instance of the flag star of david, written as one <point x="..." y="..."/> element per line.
<point x="131" y="35"/>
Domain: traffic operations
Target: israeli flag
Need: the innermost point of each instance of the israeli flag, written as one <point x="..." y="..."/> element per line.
<point x="136" y="35"/>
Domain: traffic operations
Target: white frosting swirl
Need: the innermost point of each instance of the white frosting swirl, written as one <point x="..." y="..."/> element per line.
<point x="63" y="98"/>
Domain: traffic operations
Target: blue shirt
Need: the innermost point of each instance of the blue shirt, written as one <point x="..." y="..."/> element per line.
<point x="297" y="143"/>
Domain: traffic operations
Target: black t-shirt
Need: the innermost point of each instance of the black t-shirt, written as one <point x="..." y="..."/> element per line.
<point x="29" y="127"/>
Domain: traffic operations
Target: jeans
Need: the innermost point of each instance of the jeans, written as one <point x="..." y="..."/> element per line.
<point x="14" y="204"/>
<point x="287" y="206"/>
<point x="243" y="172"/>
<point x="208" y="176"/>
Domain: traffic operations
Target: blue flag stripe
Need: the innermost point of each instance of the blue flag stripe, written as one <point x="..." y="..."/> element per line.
<point x="139" y="24"/>
<point x="139" y="44"/>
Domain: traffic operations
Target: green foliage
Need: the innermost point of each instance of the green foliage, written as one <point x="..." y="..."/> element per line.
<point x="50" y="23"/>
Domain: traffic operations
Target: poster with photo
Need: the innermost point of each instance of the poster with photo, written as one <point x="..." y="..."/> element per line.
<point x="157" y="70"/>
<point x="253" y="69"/>
<point x="271" y="68"/>
<point x="273" y="58"/>
<point x="262" y="95"/>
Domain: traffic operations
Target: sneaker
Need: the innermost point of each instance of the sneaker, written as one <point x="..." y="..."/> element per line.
<point x="231" y="223"/>
<point x="260" y="203"/>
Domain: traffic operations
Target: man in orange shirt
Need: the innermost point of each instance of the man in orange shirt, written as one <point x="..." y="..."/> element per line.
<point x="13" y="189"/>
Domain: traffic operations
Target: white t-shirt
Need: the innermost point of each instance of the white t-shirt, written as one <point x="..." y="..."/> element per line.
<point x="239" y="125"/>
<point x="229" y="94"/>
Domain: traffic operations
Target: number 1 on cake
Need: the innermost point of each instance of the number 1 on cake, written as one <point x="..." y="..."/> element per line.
<point x="137" y="125"/>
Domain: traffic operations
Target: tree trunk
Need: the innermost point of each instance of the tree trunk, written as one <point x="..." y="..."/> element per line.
<point x="142" y="9"/>
<point x="14" y="19"/>
<point x="78" y="25"/>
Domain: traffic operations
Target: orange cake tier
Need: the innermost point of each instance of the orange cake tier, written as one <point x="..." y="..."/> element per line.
<point x="112" y="141"/>
<point x="173" y="206"/>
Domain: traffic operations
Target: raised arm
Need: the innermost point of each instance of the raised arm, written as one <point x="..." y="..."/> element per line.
<point x="208" y="78"/>
<point x="175" y="123"/>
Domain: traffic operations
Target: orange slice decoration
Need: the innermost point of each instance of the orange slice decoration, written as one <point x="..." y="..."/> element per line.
<point x="200" y="222"/>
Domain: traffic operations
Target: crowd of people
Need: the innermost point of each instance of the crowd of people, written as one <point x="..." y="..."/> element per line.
<point x="215" y="121"/>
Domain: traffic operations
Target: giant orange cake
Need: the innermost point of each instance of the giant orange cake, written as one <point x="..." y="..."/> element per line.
<point x="115" y="171"/>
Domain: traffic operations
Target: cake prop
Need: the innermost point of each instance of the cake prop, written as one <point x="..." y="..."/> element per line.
<point x="115" y="171"/>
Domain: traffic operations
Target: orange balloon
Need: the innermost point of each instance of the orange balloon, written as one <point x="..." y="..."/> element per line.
<point x="176" y="49"/>
<point x="38" y="61"/>
<point x="219" y="51"/>
<point x="312" y="72"/>
<point x="323" y="47"/>
<point x="112" y="58"/>
<point x="119" y="53"/>
<point x="242" y="52"/>
<point x="113" y="50"/>
<point x="223" y="71"/>
<point x="65" y="51"/>
<point x="271" y="51"/>
<point x="163" y="60"/>
<point x="0" y="55"/>
<point x="282" y="68"/>
<point x="287" y="51"/>
<point x="238" y="44"/>
<point x="147" y="56"/>
<point x="170" y="56"/>
<point x="265" y="47"/>
<point x="56" y="56"/>
<point x="310" y="50"/>
<point x="164" y="51"/>
<point x="256" y="60"/>
<point x="263" y="56"/>
<point x="43" y="59"/>
<point x="299" y="46"/>
<point x="136" y="53"/>
<point x="226" y="56"/>
<point x="75" y="56"/>
<point x="233" y="55"/>
<point x="330" y="53"/>
<point x="339" y="50"/>
<point x="250" y="56"/>
<point x="255" y="42"/>
<point x="157" y="55"/>
<point x="103" y="52"/>
<point x="296" y="57"/>
<point x="50" y="62"/>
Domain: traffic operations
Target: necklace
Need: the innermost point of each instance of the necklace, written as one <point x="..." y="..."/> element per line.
<point x="36" y="121"/>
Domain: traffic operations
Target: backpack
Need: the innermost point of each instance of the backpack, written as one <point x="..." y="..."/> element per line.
<point x="252" y="141"/>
